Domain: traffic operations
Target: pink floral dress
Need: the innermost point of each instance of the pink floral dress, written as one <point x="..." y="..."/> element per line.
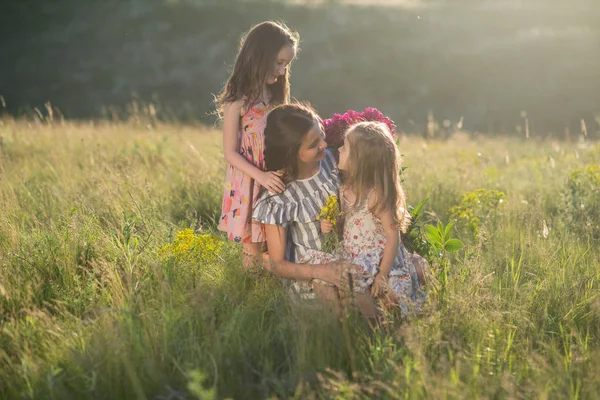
<point x="241" y="191"/>
<point x="363" y="243"/>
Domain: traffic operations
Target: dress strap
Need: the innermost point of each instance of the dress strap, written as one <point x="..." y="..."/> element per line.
<point x="351" y="207"/>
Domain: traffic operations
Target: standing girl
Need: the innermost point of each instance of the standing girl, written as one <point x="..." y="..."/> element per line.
<point x="259" y="81"/>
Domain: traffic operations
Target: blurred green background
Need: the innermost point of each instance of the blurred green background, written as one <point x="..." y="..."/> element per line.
<point x="488" y="61"/>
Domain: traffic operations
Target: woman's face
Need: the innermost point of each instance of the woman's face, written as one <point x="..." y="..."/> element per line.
<point x="313" y="145"/>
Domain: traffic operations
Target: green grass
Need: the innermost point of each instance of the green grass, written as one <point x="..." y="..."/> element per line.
<point x="91" y="308"/>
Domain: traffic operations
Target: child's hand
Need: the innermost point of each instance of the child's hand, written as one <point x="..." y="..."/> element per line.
<point x="326" y="226"/>
<point x="271" y="180"/>
<point x="380" y="285"/>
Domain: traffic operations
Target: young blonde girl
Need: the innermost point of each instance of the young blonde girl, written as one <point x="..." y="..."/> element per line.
<point x="258" y="82"/>
<point x="374" y="207"/>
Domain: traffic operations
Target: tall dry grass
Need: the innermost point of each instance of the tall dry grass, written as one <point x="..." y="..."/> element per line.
<point x="91" y="308"/>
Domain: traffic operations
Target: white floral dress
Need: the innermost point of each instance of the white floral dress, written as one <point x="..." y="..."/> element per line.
<point x="363" y="243"/>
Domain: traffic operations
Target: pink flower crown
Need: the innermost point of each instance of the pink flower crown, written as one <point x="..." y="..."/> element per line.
<point x="336" y="126"/>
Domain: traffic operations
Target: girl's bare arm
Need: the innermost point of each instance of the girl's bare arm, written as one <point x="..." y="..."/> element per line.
<point x="391" y="244"/>
<point x="231" y="126"/>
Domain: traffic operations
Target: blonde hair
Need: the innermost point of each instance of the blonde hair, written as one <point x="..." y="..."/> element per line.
<point x="374" y="162"/>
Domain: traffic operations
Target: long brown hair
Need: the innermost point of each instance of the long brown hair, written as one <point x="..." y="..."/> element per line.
<point x="374" y="163"/>
<point x="254" y="63"/>
<point x="287" y="124"/>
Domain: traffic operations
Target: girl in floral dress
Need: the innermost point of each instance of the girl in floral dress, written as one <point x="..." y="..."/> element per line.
<point x="373" y="203"/>
<point x="258" y="82"/>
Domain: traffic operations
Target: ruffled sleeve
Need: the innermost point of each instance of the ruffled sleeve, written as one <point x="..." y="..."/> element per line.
<point x="289" y="207"/>
<point x="269" y="211"/>
<point x="302" y="200"/>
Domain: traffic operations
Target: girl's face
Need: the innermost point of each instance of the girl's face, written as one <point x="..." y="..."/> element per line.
<point x="283" y="59"/>
<point x="313" y="145"/>
<point x="344" y="151"/>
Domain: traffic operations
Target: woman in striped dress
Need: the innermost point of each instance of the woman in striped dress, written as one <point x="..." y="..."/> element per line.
<point x="295" y="146"/>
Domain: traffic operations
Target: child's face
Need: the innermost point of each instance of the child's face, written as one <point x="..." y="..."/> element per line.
<point x="283" y="59"/>
<point x="313" y="145"/>
<point x="344" y="151"/>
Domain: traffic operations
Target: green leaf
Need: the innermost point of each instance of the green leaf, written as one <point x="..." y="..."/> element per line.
<point x="448" y="231"/>
<point x="453" y="245"/>
<point x="416" y="212"/>
<point x="433" y="234"/>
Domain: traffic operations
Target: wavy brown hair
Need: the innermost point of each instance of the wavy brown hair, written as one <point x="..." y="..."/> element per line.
<point x="254" y="63"/>
<point x="287" y="124"/>
<point x="374" y="163"/>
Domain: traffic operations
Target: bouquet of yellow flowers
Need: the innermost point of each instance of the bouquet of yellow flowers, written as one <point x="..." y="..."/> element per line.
<point x="330" y="212"/>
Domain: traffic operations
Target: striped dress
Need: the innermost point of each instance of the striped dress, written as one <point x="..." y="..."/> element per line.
<point x="297" y="209"/>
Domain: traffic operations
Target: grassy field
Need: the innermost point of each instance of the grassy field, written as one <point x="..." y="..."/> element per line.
<point x="106" y="293"/>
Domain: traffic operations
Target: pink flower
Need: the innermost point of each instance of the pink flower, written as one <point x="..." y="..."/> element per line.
<point x="336" y="126"/>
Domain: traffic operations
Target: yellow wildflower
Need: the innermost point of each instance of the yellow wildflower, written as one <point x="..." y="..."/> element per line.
<point x="192" y="248"/>
<point x="331" y="210"/>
